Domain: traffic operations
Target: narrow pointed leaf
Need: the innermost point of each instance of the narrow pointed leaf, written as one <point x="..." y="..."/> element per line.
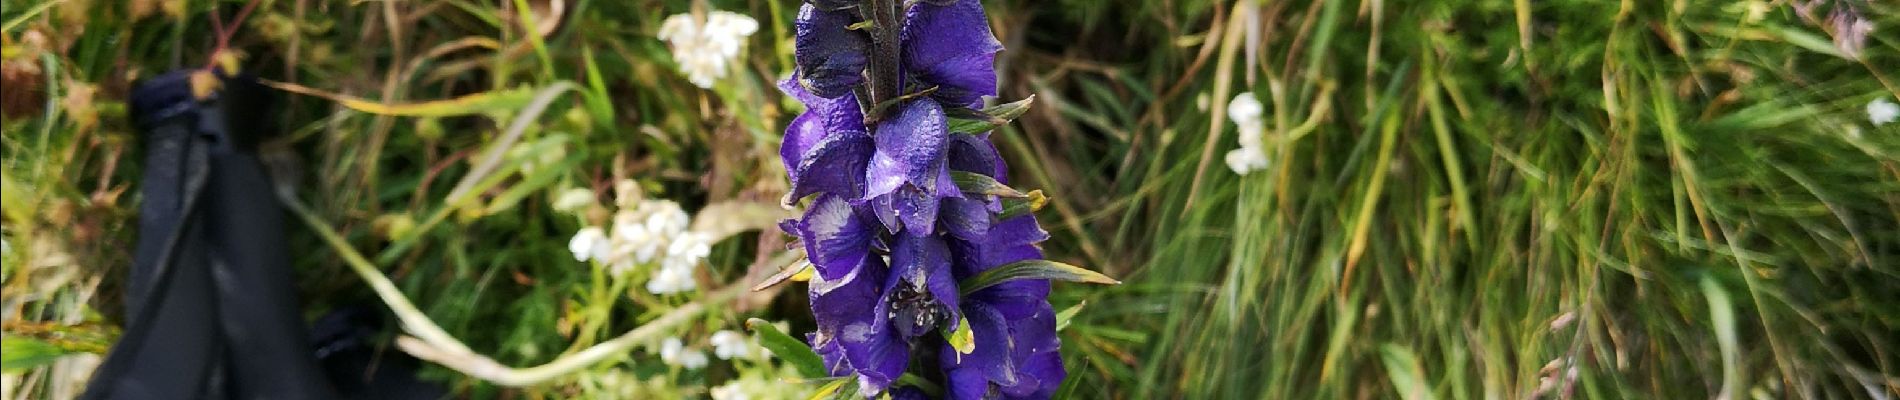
<point x="1029" y="203"/>
<point x="800" y="267"/>
<point x="837" y="389"/>
<point x="977" y="183"/>
<point x="787" y="348"/>
<point x="1068" y="314"/>
<point x="978" y="121"/>
<point x="1033" y="269"/>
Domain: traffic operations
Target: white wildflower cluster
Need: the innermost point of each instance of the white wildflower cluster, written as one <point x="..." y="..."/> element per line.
<point x="1882" y="111"/>
<point x="645" y="232"/>
<point x="673" y="352"/>
<point x="703" y="48"/>
<point x="1246" y="112"/>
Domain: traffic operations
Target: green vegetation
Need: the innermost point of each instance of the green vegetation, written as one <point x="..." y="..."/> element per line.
<point x="1462" y="198"/>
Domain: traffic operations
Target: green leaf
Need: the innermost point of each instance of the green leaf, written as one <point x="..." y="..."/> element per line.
<point x="19" y="353"/>
<point x="1067" y="314"/>
<point x="976" y="183"/>
<point x="787" y="348"/>
<point x="1029" y="203"/>
<point x="1402" y="368"/>
<point x="974" y="121"/>
<point x="963" y="339"/>
<point x="837" y="389"/>
<point x="1722" y="315"/>
<point x="1033" y="269"/>
<point x="497" y="100"/>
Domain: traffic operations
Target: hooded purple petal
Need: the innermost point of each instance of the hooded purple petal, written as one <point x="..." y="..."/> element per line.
<point x="910" y="149"/>
<point x="950" y="46"/>
<point x="830" y="56"/>
<point x="833" y="165"/>
<point x="822" y="116"/>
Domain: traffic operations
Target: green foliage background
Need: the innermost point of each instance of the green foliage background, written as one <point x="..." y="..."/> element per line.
<point x="1467" y="199"/>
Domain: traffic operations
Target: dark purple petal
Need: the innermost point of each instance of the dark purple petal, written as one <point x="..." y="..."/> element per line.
<point x="828" y="350"/>
<point x="967" y="219"/>
<point x="838" y="304"/>
<point x="917" y="210"/>
<point x="830" y="56"/>
<point x="922" y="264"/>
<point x="910" y="150"/>
<point x="1015" y="299"/>
<point x="951" y="46"/>
<point x="1038" y="364"/>
<point x="908" y="393"/>
<point x="821" y="117"/>
<point x="836" y="239"/>
<point x="1020" y="230"/>
<point x="1023" y="364"/>
<point x="965" y="383"/>
<point x="975" y="153"/>
<point x="849" y="313"/>
<point x="835" y="164"/>
<point x="994" y="347"/>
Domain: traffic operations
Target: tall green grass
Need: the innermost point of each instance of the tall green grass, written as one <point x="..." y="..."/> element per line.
<point x="1468" y="199"/>
<point x="1475" y="199"/>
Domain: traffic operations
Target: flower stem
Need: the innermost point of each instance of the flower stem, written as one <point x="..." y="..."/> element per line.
<point x="885" y="46"/>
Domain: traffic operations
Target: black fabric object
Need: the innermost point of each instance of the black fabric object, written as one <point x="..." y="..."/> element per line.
<point x="211" y="307"/>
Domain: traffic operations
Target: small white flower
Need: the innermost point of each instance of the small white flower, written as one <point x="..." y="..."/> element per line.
<point x="729" y="345"/>
<point x="670" y="349"/>
<point x="1245" y="109"/>
<point x="693" y="359"/>
<point x="665" y="217"/>
<point x="1882" y="111"/>
<point x="669" y="280"/>
<point x="636" y="242"/>
<point x="687" y="250"/>
<point x="573" y="200"/>
<point x="589" y="243"/>
<point x="674" y="352"/>
<point x="1246" y="159"/>
<point x="703" y="51"/>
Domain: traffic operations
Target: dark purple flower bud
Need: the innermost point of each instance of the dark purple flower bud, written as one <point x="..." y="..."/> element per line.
<point x="948" y="44"/>
<point x="830" y="55"/>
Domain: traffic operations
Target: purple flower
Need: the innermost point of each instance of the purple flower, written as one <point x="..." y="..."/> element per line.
<point x="947" y="45"/>
<point x="1027" y="366"/>
<point x="887" y="230"/>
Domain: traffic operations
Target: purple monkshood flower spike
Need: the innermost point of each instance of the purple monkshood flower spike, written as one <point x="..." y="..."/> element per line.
<point x="887" y="230"/>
